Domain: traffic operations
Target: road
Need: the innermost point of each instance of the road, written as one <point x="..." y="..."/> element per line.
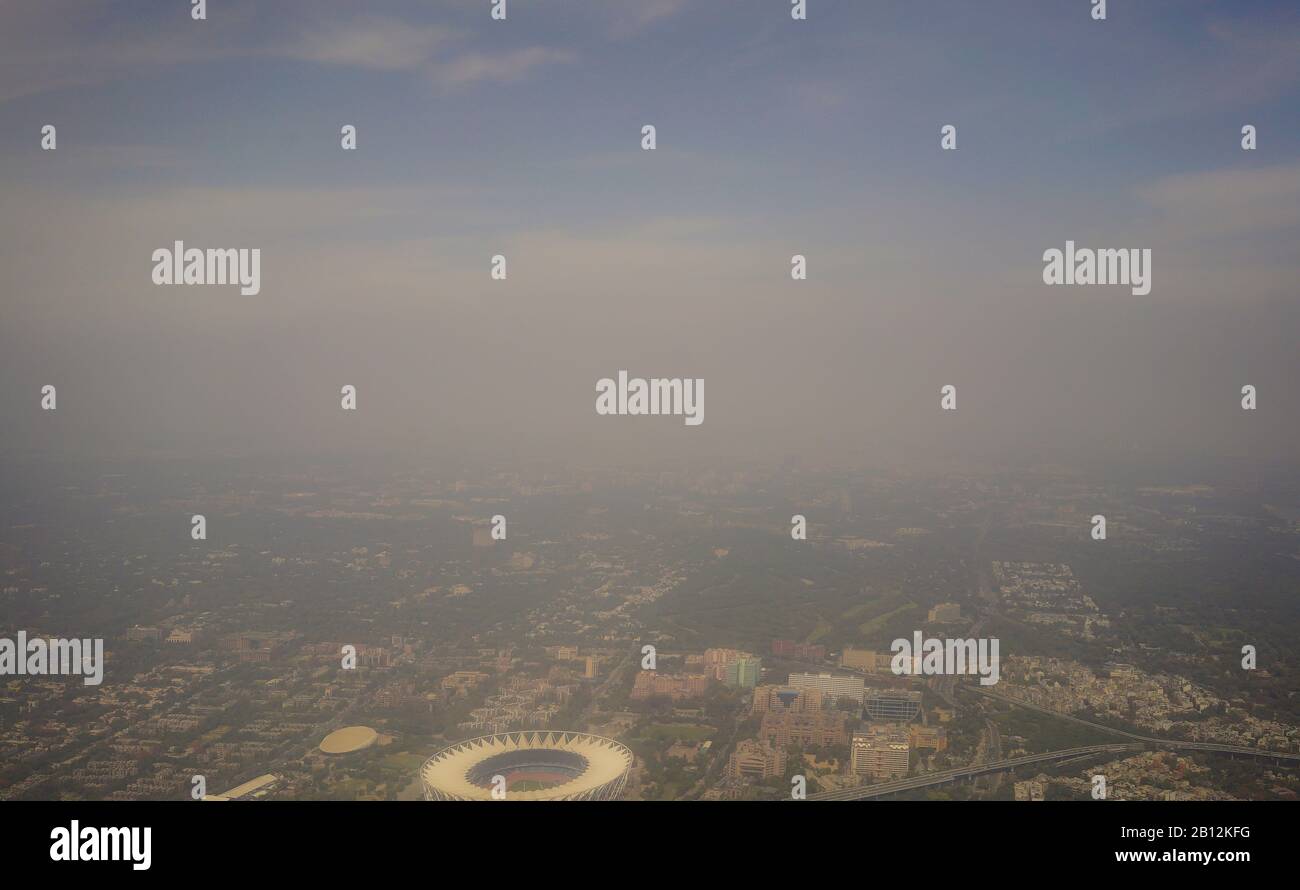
<point x="1149" y="740"/>
<point x="1137" y="743"/>
<point x="965" y="772"/>
<point x="969" y="772"/>
<point x="947" y="688"/>
<point x="599" y="692"/>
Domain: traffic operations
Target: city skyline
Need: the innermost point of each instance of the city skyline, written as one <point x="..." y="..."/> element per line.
<point x="626" y="405"/>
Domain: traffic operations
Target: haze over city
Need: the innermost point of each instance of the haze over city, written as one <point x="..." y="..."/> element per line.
<point x="684" y="401"/>
<point x="924" y="266"/>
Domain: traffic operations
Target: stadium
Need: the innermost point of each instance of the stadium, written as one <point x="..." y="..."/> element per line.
<point x="349" y="740"/>
<point x="536" y="766"/>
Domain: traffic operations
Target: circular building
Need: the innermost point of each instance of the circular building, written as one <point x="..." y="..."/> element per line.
<point x="348" y="739"/>
<point x="535" y="765"/>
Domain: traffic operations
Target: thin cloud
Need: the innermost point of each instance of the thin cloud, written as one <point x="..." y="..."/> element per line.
<point x="1226" y="202"/>
<point x="64" y="53"/>
<point x="383" y="44"/>
<point x="630" y="16"/>
<point x="497" y="67"/>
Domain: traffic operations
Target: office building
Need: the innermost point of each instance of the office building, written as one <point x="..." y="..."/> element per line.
<point x="786" y="698"/>
<point x="744" y="672"/>
<point x="898" y="705"/>
<point x="813" y="729"/>
<point x="753" y="759"/>
<point x="830" y="685"/>
<point x="881" y="752"/>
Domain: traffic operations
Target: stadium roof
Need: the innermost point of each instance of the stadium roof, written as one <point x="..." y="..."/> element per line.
<point x="607" y="764"/>
<point x="348" y="739"/>
<point x="245" y="789"/>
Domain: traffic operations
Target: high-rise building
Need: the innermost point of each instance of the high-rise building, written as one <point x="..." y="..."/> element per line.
<point x="935" y="737"/>
<point x="832" y="686"/>
<point x="717" y="662"/>
<point x="865" y="660"/>
<point x="652" y="684"/>
<point x="787" y="698"/>
<point x="461" y="682"/>
<point x="1031" y="790"/>
<point x="744" y="672"/>
<point x="813" y="729"/>
<point x="753" y="759"/>
<point x="881" y="752"/>
<point x="900" y="705"/>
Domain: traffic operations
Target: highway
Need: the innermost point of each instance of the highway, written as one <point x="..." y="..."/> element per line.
<point x="952" y="775"/>
<point x="1138" y="743"/>
<point x="965" y="772"/>
<point x="947" y="689"/>
<point x="1149" y="740"/>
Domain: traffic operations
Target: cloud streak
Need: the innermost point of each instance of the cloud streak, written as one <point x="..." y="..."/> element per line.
<point x="51" y="48"/>
<point x="501" y="67"/>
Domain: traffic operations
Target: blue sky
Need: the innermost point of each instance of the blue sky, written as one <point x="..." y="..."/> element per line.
<point x="847" y="99"/>
<point x="775" y="137"/>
